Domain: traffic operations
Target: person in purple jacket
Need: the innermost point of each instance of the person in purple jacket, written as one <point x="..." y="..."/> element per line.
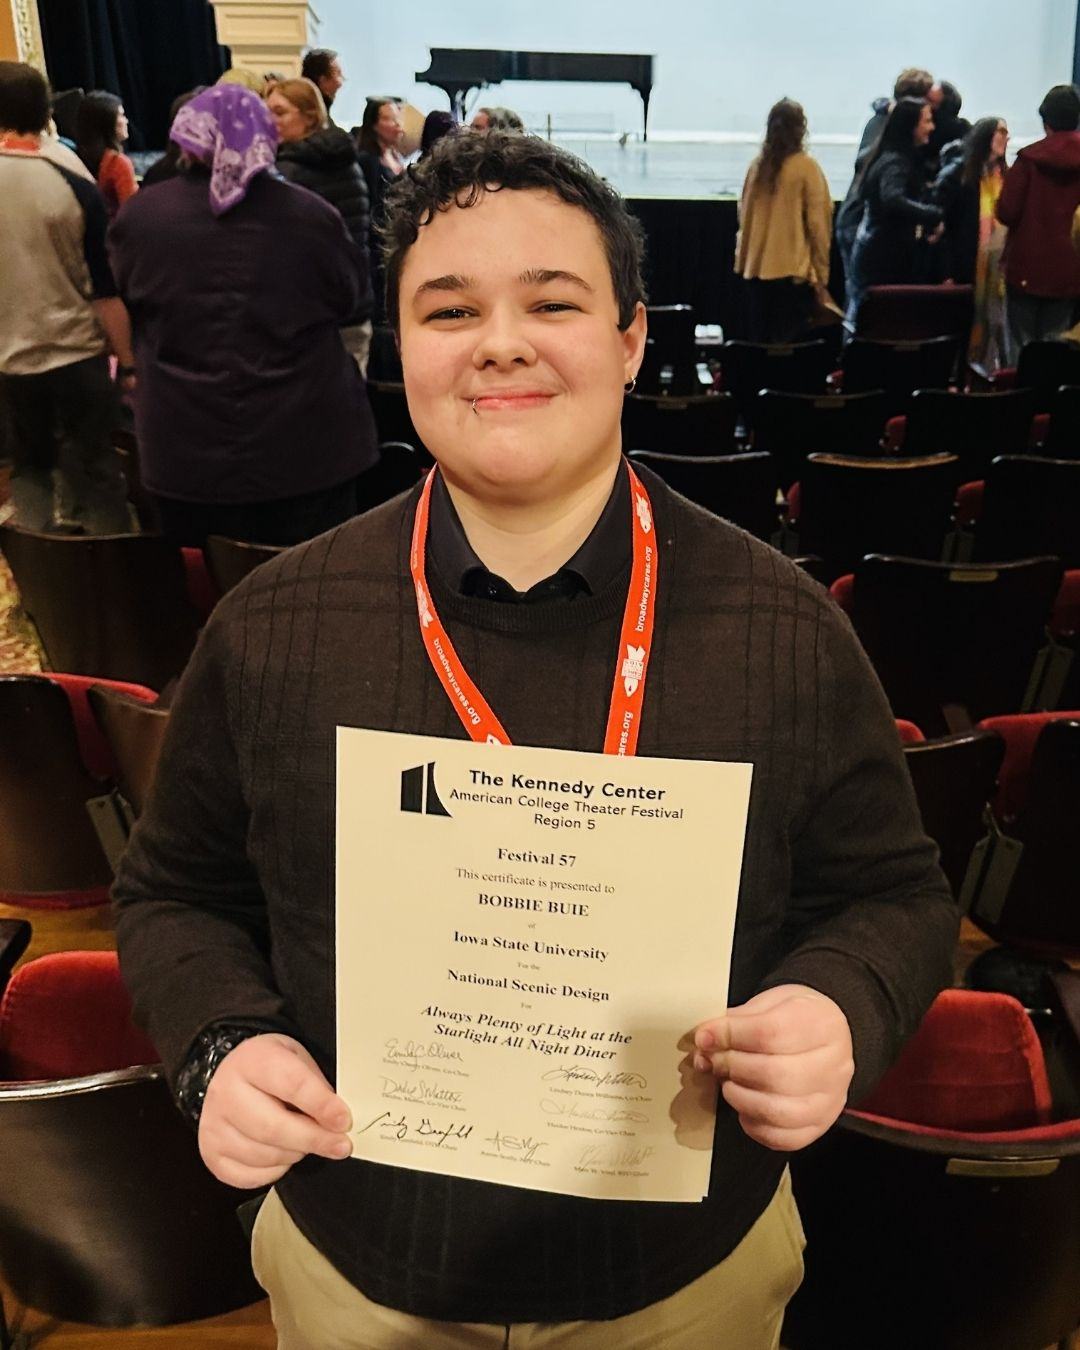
<point x="252" y="419"/>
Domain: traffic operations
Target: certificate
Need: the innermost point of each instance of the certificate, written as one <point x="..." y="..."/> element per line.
<point x="526" y="939"/>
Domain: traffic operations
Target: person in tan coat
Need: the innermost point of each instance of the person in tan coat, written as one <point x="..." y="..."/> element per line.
<point x="785" y="231"/>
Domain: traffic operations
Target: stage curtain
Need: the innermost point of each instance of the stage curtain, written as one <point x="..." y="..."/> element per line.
<point x="145" y="52"/>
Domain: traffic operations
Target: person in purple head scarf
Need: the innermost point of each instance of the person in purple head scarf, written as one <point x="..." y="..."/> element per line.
<point x="252" y="419"/>
<point x="229" y="129"/>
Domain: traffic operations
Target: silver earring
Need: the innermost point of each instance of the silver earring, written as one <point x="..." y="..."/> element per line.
<point x="630" y="385"/>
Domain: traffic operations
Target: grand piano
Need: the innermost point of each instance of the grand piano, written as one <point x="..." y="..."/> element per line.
<point x="459" y="69"/>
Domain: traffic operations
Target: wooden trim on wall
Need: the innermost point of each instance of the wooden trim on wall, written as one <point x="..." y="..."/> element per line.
<point x="9" y="47"/>
<point x="20" y="32"/>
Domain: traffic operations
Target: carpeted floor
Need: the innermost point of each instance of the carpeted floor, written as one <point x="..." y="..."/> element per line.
<point x="19" y="650"/>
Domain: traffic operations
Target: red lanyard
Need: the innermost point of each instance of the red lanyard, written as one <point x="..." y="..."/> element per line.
<point x="635" y="642"/>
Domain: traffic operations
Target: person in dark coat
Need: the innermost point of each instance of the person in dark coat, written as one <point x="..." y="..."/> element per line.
<point x="377" y="139"/>
<point x="910" y="83"/>
<point x="167" y="166"/>
<point x="437" y="124"/>
<point x="1039" y="198"/>
<point x="252" y="418"/>
<point x="322" y="158"/>
<point x="894" y="211"/>
<point x="949" y="126"/>
<point x="318" y="155"/>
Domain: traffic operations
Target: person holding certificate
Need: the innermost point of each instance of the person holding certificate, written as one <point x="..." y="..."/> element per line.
<point x="532" y="598"/>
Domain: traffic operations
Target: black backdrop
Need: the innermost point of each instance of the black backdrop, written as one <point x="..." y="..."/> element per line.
<point x="147" y="51"/>
<point x="690" y="258"/>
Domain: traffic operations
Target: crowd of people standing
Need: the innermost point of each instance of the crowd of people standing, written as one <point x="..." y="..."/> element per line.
<point x="254" y="308"/>
<point x="933" y="200"/>
<point x="238" y="312"/>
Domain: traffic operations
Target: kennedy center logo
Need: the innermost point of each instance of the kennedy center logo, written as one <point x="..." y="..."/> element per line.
<point x="418" y="791"/>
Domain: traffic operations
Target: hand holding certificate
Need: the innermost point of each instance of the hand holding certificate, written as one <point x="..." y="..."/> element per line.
<point x="526" y="940"/>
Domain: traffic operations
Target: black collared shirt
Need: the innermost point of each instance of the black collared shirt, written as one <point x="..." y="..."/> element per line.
<point x="599" y="560"/>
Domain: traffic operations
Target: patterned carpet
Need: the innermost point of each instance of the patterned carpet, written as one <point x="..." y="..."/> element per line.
<point x="19" y="650"/>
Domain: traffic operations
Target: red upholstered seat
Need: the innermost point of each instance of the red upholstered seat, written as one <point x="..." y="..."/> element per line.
<point x="841" y="591"/>
<point x="68" y="1015"/>
<point x="201" y="590"/>
<point x="974" y="1067"/>
<point x="969" y="501"/>
<point x="915" y="312"/>
<point x="93" y="747"/>
<point x="54" y="761"/>
<point x="1020" y="733"/>
<point x="942" y="1212"/>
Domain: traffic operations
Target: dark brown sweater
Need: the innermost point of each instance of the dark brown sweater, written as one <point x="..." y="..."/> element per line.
<point x="226" y="894"/>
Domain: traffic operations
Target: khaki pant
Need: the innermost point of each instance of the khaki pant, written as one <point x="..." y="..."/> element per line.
<point x="738" y="1305"/>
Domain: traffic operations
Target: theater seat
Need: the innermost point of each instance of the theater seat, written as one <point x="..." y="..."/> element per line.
<point x="1030" y="506"/>
<point x="54" y="761"/>
<point x="975" y="1067"/>
<point x="230" y="560"/>
<point x="699" y="424"/>
<point x="401" y="465"/>
<point x="899" y="368"/>
<point x="669" y="363"/>
<point x="741" y="488"/>
<point x="940" y="1213"/>
<point x="1045" y="367"/>
<point x="114" y="606"/>
<point x="909" y="733"/>
<point x="107" y="1214"/>
<point x="974" y="427"/>
<point x="953" y="643"/>
<point x="849" y="507"/>
<point x="67" y="1015"/>
<point x="954" y="778"/>
<point x="1034" y="907"/>
<point x="914" y="313"/>
<point x="1063" y="434"/>
<point x="390" y="409"/>
<point x="792" y="426"/>
<point x="135" y="731"/>
<point x="796" y="368"/>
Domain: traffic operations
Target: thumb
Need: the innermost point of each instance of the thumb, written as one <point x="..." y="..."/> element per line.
<point x="716" y="1033"/>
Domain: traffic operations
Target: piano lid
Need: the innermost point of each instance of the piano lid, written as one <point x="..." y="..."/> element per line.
<point x="459" y="69"/>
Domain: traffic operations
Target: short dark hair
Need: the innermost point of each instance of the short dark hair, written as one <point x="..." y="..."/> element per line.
<point x="1060" y="109"/>
<point x="951" y="100"/>
<point x="317" y="63"/>
<point x="460" y="169"/>
<point x="95" y="127"/>
<point x="24" y="98"/>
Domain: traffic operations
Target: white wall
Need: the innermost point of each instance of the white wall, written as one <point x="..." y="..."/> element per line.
<point x="719" y="65"/>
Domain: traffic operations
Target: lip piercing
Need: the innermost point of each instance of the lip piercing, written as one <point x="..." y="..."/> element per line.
<point x="473" y="406"/>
